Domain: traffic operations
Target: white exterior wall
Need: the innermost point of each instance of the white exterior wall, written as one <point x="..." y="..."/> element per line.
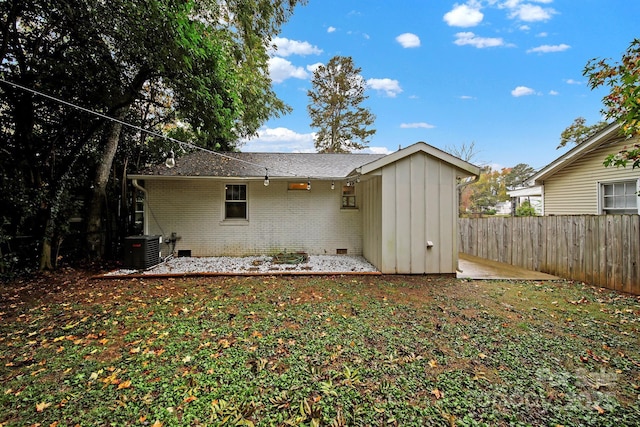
<point x="418" y="206"/>
<point x="574" y="189"/>
<point x="279" y="219"/>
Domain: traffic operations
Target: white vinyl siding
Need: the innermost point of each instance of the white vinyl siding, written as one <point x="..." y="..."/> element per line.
<point x="575" y="190"/>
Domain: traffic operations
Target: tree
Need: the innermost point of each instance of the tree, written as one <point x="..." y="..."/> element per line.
<point x="517" y="175"/>
<point x="525" y="209"/>
<point x="467" y="153"/>
<point x="578" y="132"/>
<point x="335" y="107"/>
<point x="621" y="104"/>
<point x="488" y="190"/>
<point x="210" y="57"/>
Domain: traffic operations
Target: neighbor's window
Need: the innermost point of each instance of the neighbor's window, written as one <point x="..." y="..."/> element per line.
<point x="348" y="196"/>
<point x="235" y="201"/>
<point x="619" y="197"/>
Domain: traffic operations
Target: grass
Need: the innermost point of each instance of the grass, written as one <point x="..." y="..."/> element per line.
<point x="333" y="351"/>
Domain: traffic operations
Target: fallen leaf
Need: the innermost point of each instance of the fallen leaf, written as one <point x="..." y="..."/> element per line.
<point x="437" y="393"/>
<point x="156" y="424"/>
<point x="42" y="406"/>
<point x="190" y="399"/>
<point x="482" y="356"/>
<point x="433" y="363"/>
<point x="124" y="384"/>
<point x="598" y="408"/>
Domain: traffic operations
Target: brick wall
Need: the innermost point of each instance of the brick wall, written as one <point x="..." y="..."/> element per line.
<point x="279" y="219"/>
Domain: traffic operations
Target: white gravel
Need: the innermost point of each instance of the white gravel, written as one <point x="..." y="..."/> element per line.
<point x="331" y="264"/>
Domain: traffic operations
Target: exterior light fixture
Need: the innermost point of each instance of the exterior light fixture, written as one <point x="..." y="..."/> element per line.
<point x="333" y="185"/>
<point x="171" y="160"/>
<point x="309" y="185"/>
<point x="266" y="178"/>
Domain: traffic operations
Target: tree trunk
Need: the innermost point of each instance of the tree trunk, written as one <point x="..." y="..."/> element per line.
<point x="95" y="235"/>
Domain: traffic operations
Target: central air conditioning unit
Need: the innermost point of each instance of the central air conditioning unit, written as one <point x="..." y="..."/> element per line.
<point x="141" y="252"/>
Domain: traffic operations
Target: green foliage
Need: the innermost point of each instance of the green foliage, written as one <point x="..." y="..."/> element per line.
<point x="487" y="191"/>
<point x="157" y="64"/>
<point x="335" y="107"/>
<point x="630" y="154"/>
<point x="578" y="132"/>
<point x="266" y="351"/>
<point x="621" y="104"/>
<point x="517" y="175"/>
<point x="525" y="209"/>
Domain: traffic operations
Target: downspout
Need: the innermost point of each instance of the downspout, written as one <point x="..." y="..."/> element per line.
<point x="135" y="184"/>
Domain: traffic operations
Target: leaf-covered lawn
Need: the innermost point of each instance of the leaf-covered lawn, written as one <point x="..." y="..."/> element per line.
<point x="274" y="351"/>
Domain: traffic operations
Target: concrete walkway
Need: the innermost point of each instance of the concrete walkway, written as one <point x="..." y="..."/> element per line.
<point x="471" y="267"/>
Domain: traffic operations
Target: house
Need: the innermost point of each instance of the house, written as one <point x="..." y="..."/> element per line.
<point x="577" y="183"/>
<point x="399" y="211"/>
<point x="532" y="194"/>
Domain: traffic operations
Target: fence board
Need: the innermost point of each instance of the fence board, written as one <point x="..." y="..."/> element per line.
<point x="602" y="250"/>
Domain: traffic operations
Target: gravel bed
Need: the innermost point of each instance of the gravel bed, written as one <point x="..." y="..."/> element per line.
<point x="254" y="264"/>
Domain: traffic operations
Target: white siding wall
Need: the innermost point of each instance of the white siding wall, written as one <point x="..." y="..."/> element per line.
<point x="574" y="189"/>
<point x="418" y="205"/>
<point x="279" y="219"/>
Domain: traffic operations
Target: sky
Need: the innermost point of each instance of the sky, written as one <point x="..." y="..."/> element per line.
<point x="505" y="75"/>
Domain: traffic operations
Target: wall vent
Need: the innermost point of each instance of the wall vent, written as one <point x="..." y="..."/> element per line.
<point x="341" y="251"/>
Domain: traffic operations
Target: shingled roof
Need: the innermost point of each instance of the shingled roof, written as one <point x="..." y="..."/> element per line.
<point x="251" y="165"/>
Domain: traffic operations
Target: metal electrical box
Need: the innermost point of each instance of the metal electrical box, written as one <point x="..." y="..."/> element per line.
<point x="141" y="252"/>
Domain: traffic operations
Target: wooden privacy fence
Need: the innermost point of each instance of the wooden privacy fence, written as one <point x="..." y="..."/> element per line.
<point x="602" y="250"/>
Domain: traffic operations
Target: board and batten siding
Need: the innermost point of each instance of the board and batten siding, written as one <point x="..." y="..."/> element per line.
<point x="418" y="205"/>
<point x="370" y="196"/>
<point x="574" y="189"/>
<point x="279" y="219"/>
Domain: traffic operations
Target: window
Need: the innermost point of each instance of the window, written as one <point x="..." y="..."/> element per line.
<point x="138" y="215"/>
<point x="235" y="201"/>
<point x="619" y="197"/>
<point x="349" y="196"/>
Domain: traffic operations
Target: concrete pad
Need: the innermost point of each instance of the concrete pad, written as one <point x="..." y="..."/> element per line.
<point x="471" y="267"/>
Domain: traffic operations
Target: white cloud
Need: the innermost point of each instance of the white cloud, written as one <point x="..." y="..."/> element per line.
<point x="285" y="47"/>
<point x="390" y="87"/>
<point x="408" y="40"/>
<point x="280" y="70"/>
<point x="313" y="67"/>
<point x="331" y="30"/>
<point x="554" y="93"/>
<point x="468" y="38"/>
<point x="530" y="12"/>
<point x="522" y="91"/>
<point x="375" y="150"/>
<point x="466" y="97"/>
<point x="464" y="15"/>
<point x="542" y="34"/>
<point x="419" y="125"/>
<point x="280" y="140"/>
<point x="545" y="48"/>
<point x="572" y="82"/>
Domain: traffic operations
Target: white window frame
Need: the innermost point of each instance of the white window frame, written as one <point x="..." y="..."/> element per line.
<point x="227" y="220"/>
<point x="601" y="196"/>
<point x="346" y="197"/>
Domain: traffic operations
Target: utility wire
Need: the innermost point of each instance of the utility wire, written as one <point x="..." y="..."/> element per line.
<point x="156" y="134"/>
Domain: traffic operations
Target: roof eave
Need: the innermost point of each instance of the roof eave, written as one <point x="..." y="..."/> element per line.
<point x="461" y="165"/>
<point x="574" y="154"/>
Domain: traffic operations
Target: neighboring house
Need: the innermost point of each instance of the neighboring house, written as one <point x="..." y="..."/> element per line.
<point x="533" y="195"/>
<point x="578" y="183"/>
<point x="399" y="211"/>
